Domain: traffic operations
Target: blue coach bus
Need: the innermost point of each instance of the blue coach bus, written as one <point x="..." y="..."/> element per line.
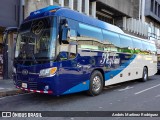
<point x="60" y="51"/>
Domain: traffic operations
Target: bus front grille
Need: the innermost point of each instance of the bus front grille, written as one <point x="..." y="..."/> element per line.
<point x="30" y="84"/>
<point x="33" y="85"/>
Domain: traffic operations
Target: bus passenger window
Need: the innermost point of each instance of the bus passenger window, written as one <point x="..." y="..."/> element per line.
<point x="72" y="55"/>
<point x="63" y="55"/>
<point x="72" y="51"/>
<point x="67" y="52"/>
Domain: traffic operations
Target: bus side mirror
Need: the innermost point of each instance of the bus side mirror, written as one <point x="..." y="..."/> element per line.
<point x="65" y="34"/>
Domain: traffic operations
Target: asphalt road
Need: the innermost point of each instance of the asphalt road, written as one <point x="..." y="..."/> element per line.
<point x="128" y="96"/>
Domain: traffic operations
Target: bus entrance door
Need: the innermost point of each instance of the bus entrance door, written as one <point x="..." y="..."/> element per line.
<point x="70" y="72"/>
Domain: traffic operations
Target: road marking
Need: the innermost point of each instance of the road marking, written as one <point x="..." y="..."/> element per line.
<point x="146" y="89"/>
<point x="127" y="88"/>
<point x="1" y="98"/>
<point x="157" y="96"/>
<point x="111" y="86"/>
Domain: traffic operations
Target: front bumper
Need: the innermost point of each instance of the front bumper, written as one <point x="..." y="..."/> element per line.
<point x="35" y="91"/>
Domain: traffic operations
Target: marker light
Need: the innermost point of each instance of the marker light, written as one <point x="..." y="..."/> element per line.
<point x="49" y="72"/>
<point x="53" y="10"/>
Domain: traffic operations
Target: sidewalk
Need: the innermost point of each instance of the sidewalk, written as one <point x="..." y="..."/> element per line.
<point x="7" y="88"/>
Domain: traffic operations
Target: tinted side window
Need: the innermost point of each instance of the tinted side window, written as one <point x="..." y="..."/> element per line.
<point x="73" y="25"/>
<point x="111" y="37"/>
<point x="90" y="31"/>
<point x="146" y="46"/>
<point x="137" y="44"/>
<point x="89" y="37"/>
<point x="126" y="41"/>
<point x="153" y="47"/>
<point x="67" y="52"/>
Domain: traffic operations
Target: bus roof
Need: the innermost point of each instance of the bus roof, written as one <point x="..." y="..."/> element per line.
<point x="65" y="12"/>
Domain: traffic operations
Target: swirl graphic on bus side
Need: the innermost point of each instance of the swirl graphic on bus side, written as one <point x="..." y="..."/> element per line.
<point x="110" y="59"/>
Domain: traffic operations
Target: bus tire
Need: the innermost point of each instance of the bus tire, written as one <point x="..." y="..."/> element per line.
<point x="96" y="83"/>
<point x="145" y="74"/>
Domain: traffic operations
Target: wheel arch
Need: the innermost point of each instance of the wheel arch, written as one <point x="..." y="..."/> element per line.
<point x="143" y="79"/>
<point x="146" y="67"/>
<point x="102" y="72"/>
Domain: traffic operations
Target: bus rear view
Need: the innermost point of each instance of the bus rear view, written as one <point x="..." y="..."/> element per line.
<point x="60" y="51"/>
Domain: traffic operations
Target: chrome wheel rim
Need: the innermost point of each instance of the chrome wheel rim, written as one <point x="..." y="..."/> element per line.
<point x="96" y="83"/>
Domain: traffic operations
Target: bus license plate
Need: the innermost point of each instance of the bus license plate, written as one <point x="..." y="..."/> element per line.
<point x="24" y="85"/>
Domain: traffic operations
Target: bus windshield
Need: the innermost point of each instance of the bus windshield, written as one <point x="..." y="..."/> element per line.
<point x="34" y="41"/>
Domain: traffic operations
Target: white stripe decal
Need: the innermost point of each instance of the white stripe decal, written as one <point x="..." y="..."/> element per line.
<point x="49" y="92"/>
<point x="45" y="91"/>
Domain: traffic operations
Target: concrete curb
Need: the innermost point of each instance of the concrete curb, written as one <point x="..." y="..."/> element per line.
<point x="11" y="92"/>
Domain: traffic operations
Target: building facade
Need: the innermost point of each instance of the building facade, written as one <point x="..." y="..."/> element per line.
<point x="152" y="17"/>
<point x="9" y="17"/>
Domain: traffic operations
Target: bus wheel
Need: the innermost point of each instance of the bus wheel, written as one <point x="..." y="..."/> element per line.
<point x="145" y="74"/>
<point x="96" y="83"/>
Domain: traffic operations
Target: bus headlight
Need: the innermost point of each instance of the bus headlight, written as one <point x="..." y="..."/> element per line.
<point x="48" y="72"/>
